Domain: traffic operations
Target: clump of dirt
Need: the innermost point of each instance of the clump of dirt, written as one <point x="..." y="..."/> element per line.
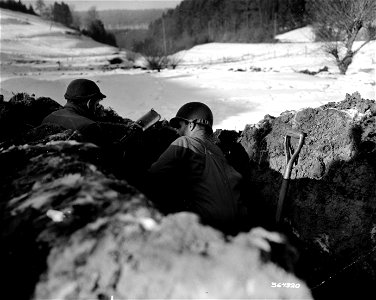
<point x="115" y="60"/>
<point x="23" y="112"/>
<point x="330" y="206"/>
<point x="236" y="155"/>
<point x="354" y="101"/>
<point x="308" y="72"/>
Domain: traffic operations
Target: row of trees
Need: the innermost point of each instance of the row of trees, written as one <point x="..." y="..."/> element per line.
<point x="94" y="28"/>
<point x="17" y="6"/>
<point x="61" y="13"/>
<point x="201" y="21"/>
<point x="91" y="26"/>
<point x="120" y="19"/>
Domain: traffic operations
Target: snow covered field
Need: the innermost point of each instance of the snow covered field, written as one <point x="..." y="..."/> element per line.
<point x="240" y="82"/>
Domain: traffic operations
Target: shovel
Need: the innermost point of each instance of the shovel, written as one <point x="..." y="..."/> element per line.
<point x="291" y="159"/>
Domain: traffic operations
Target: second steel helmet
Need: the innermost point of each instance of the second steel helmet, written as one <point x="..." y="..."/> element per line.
<point x="195" y="112"/>
<point x="83" y="89"/>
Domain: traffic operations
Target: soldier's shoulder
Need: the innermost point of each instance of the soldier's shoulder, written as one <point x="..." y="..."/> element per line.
<point x="181" y="141"/>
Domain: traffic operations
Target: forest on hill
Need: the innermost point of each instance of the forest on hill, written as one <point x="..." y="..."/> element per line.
<point x="118" y="19"/>
<point x="128" y="27"/>
<point x="17" y="6"/>
<point x="201" y="21"/>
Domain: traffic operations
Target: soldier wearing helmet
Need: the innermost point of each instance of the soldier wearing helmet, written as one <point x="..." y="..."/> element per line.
<point x="193" y="174"/>
<point x="83" y="98"/>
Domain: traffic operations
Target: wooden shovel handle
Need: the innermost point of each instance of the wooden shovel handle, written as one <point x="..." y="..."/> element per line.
<point x="289" y="164"/>
<point x="291" y="161"/>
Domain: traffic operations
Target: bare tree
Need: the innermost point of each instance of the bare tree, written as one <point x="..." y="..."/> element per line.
<point x="40" y="6"/>
<point x="44" y="10"/>
<point x="91" y="15"/>
<point x="174" y="60"/>
<point x="339" y="23"/>
<point x="76" y="19"/>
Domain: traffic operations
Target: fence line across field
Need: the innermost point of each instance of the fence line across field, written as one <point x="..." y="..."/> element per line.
<point x="256" y="53"/>
<point x="304" y="50"/>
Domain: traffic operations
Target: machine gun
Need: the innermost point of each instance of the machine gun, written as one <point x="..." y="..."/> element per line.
<point x="142" y="124"/>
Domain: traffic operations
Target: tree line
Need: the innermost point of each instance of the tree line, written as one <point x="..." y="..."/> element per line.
<point x="17" y="6"/>
<point x="120" y="19"/>
<point x="201" y="21"/>
<point x="90" y="25"/>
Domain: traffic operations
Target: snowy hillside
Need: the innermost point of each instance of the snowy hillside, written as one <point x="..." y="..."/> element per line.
<point x="28" y="42"/>
<point x="301" y="35"/>
<point x="240" y="82"/>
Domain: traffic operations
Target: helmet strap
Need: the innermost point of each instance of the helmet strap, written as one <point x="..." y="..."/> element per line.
<point x="88" y="103"/>
<point x="201" y="121"/>
<point x="90" y="106"/>
<point x="205" y="126"/>
<point x="91" y="103"/>
<point x="192" y="125"/>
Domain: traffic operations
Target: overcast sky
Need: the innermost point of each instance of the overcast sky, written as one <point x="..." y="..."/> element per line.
<point x="113" y="4"/>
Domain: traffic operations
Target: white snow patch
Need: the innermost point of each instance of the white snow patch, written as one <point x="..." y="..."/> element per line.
<point x="355" y="114"/>
<point x="55" y="215"/>
<point x="301" y="35"/>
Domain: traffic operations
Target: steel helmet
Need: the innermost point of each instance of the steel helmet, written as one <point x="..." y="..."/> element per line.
<point x="195" y="112"/>
<point x="83" y="89"/>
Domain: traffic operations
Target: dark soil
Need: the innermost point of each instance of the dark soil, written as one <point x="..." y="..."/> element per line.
<point x="74" y="225"/>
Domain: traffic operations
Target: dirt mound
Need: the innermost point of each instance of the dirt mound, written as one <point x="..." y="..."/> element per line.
<point x="71" y="229"/>
<point x="23" y="112"/>
<point x="128" y="256"/>
<point x="93" y="236"/>
<point x="73" y="222"/>
<point x="331" y="204"/>
<point x="44" y="180"/>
